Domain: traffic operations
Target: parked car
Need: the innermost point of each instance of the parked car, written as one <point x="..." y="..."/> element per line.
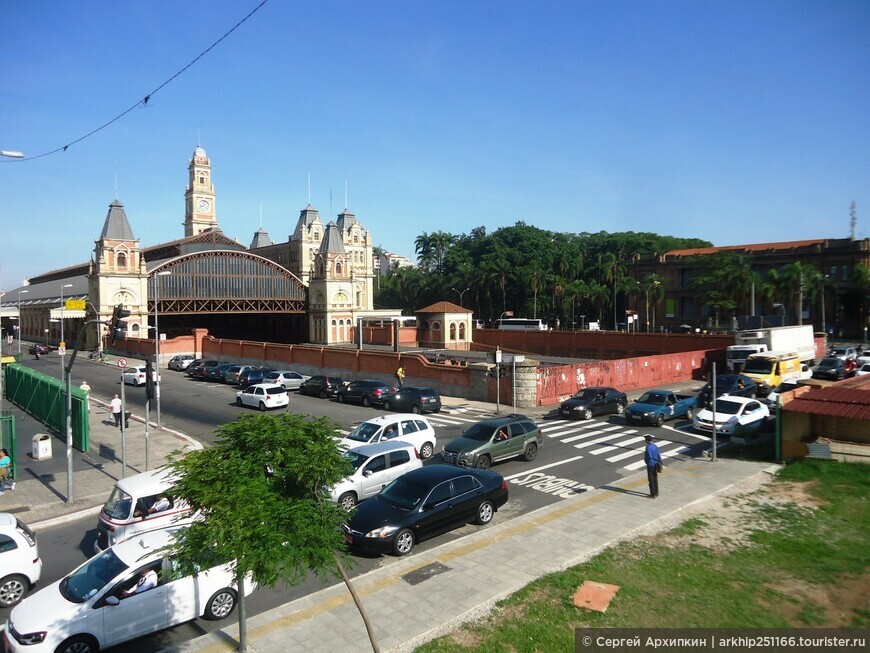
<point x="734" y="416"/>
<point x="417" y="431"/>
<point x="217" y="372"/>
<point x="201" y="371"/>
<point x="253" y="375"/>
<point x="594" y="401"/>
<point x="20" y="564"/>
<point x="137" y="375"/>
<point x="367" y="392"/>
<point x="194" y="369"/>
<point x="863" y="370"/>
<point x="410" y="399"/>
<point x="731" y="385"/>
<point x="830" y="368"/>
<point x="234" y="372"/>
<point x="92" y="608"/>
<point x="180" y="362"/>
<point x="493" y="440"/>
<point x="263" y="396"/>
<point x="844" y="353"/>
<point x="321" y="386"/>
<point x="39" y="349"/>
<point x="423" y="503"/>
<point x="289" y="379"/>
<point x="374" y="466"/>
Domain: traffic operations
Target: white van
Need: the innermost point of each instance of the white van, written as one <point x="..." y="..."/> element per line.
<point x="138" y="503"/>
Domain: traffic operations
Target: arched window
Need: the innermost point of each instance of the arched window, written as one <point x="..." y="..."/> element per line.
<point x="453" y="330"/>
<point x="462" y="330"/>
<point x="122" y="261"/>
<point x="338" y="268"/>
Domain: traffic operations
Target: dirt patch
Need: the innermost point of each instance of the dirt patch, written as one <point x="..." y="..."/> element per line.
<point x="827" y="601"/>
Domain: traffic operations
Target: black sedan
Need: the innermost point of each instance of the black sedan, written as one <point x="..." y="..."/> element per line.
<point x="423" y="503"/>
<point x="321" y="386"/>
<point x="732" y="385"/>
<point x="594" y="401"/>
<point x="831" y="368"/>
<point x="366" y="392"/>
<point x="414" y="400"/>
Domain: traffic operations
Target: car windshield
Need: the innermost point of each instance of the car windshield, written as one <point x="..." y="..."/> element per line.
<point x="758" y="366"/>
<point x="726" y="407"/>
<point x="356" y="460"/>
<point x="89" y="579"/>
<point x="829" y="362"/>
<point x="403" y="493"/>
<point x="119" y="504"/>
<point x="785" y="387"/>
<point x="653" y="399"/>
<point x="479" y="432"/>
<point x="585" y="394"/>
<point x="364" y="432"/>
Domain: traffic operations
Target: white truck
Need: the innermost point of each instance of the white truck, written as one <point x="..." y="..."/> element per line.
<point x="755" y="341"/>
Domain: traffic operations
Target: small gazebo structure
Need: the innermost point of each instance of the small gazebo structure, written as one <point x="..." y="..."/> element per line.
<point x="444" y="325"/>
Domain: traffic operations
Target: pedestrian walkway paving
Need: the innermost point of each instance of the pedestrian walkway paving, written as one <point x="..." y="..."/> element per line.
<point x="40" y="495"/>
<point x="432" y="592"/>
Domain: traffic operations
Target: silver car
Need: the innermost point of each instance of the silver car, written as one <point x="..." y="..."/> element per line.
<point x="374" y="466"/>
<point x="233" y="373"/>
<point x="181" y="362"/>
<point x="289" y="379"/>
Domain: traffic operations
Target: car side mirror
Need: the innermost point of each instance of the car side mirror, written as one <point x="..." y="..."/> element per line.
<point x="112" y="600"/>
<point x="367" y="473"/>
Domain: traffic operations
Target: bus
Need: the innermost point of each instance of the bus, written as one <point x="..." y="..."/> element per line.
<point x="521" y="324"/>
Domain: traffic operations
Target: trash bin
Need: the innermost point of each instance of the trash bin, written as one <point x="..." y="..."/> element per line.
<point x="41" y="446"/>
<point x="127" y="420"/>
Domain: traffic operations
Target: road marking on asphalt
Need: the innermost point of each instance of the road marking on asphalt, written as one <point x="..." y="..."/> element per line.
<point x="539" y="469"/>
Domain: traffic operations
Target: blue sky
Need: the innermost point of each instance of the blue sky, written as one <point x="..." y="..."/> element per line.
<point x="736" y="122"/>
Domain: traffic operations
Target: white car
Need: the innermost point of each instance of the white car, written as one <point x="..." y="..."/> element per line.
<point x="290" y="380"/>
<point x="137" y="375"/>
<point x="20" y="564"/>
<point x="93" y="607"/>
<point x="863" y="370"/>
<point x="734" y="416"/>
<point x="263" y="396"/>
<point x="374" y="465"/>
<point x="414" y="429"/>
<point x="846" y="353"/>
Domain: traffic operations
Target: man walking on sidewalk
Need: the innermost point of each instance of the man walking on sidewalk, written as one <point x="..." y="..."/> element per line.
<point x="653" y="460"/>
<point x="117" y="409"/>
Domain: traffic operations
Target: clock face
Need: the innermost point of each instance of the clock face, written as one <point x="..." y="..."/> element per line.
<point x="124" y="298"/>
<point x="203" y="206"/>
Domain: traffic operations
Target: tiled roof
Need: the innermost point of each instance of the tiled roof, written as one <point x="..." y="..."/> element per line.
<point x="444" y="307"/>
<point x="849" y="399"/>
<point x="758" y="247"/>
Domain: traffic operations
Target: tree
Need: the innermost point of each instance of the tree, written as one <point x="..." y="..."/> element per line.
<point x="261" y="491"/>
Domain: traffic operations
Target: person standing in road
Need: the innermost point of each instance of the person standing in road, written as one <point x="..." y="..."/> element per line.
<point x="117" y="409"/>
<point x="400" y="375"/>
<point x="653" y="460"/>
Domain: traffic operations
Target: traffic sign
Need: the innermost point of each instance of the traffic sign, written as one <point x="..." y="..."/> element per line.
<point x="75" y="304"/>
<point x="122" y="363"/>
<point x="61" y="351"/>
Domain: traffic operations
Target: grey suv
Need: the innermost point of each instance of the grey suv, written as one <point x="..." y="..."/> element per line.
<point x="493" y="440"/>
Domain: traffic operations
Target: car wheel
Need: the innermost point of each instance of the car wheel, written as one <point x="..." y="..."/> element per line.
<point x="416" y="410"/>
<point x="220" y="605"/>
<point x="341" y="399"/>
<point x="660" y="419"/>
<point x="531" y="452"/>
<point x="404" y="542"/>
<point x="12" y="590"/>
<point x="483" y="462"/>
<point x="347" y="500"/>
<point x="485" y="513"/>
<point x="690" y="413"/>
<point x="587" y="414"/>
<point x="620" y="409"/>
<point x="387" y="405"/>
<point x="427" y="450"/>
<point x="323" y="394"/>
<point x="262" y="407"/>
<point x="239" y="401"/>
<point x="366" y="401"/>
<point x="78" y="644"/>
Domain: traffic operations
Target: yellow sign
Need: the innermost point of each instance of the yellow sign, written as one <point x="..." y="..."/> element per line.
<point x="75" y="304"/>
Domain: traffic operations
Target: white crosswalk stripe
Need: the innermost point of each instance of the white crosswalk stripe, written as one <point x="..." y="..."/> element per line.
<point x="601" y="438"/>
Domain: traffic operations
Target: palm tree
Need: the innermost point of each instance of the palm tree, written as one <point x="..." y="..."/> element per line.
<point x="576" y="290"/>
<point x="794" y="275"/>
<point x="532" y="279"/>
<point x="599" y="295"/>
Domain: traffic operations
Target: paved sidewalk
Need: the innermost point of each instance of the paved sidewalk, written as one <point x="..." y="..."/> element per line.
<point x="40" y="495"/>
<point x="413" y="600"/>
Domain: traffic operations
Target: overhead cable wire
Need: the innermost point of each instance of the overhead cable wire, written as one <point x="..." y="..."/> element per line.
<point x="144" y="101"/>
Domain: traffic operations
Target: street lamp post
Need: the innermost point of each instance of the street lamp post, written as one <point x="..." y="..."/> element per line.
<point x="655" y="298"/>
<point x="461" y="293"/>
<point x="824" y="330"/>
<point x="20" y="321"/>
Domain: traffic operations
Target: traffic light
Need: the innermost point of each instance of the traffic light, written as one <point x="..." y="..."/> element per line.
<point x="117" y="326"/>
<point x="149" y="380"/>
<point x="502" y="370"/>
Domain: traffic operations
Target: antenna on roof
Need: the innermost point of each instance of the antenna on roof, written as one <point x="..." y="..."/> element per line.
<point x="345" y="194"/>
<point x="309" y="189"/>
<point x="116" y="180"/>
<point x="199" y="137"/>
<point x="261" y="215"/>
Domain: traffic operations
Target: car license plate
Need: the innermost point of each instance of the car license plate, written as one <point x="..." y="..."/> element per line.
<point x="636" y="417"/>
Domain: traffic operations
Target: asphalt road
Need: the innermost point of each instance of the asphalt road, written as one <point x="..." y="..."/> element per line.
<point x="575" y="455"/>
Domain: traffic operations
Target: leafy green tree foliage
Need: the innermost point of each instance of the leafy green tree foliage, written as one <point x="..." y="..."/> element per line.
<point x="261" y="493"/>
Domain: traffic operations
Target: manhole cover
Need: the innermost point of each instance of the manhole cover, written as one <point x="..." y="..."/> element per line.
<point x="425" y="573"/>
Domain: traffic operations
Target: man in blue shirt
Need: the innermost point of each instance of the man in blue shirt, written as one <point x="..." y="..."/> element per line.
<point x="653" y="460"/>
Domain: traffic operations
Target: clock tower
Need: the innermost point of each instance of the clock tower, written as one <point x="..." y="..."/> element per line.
<point x="199" y="200"/>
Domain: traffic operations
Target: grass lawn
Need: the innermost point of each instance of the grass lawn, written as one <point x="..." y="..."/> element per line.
<point x="792" y="554"/>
